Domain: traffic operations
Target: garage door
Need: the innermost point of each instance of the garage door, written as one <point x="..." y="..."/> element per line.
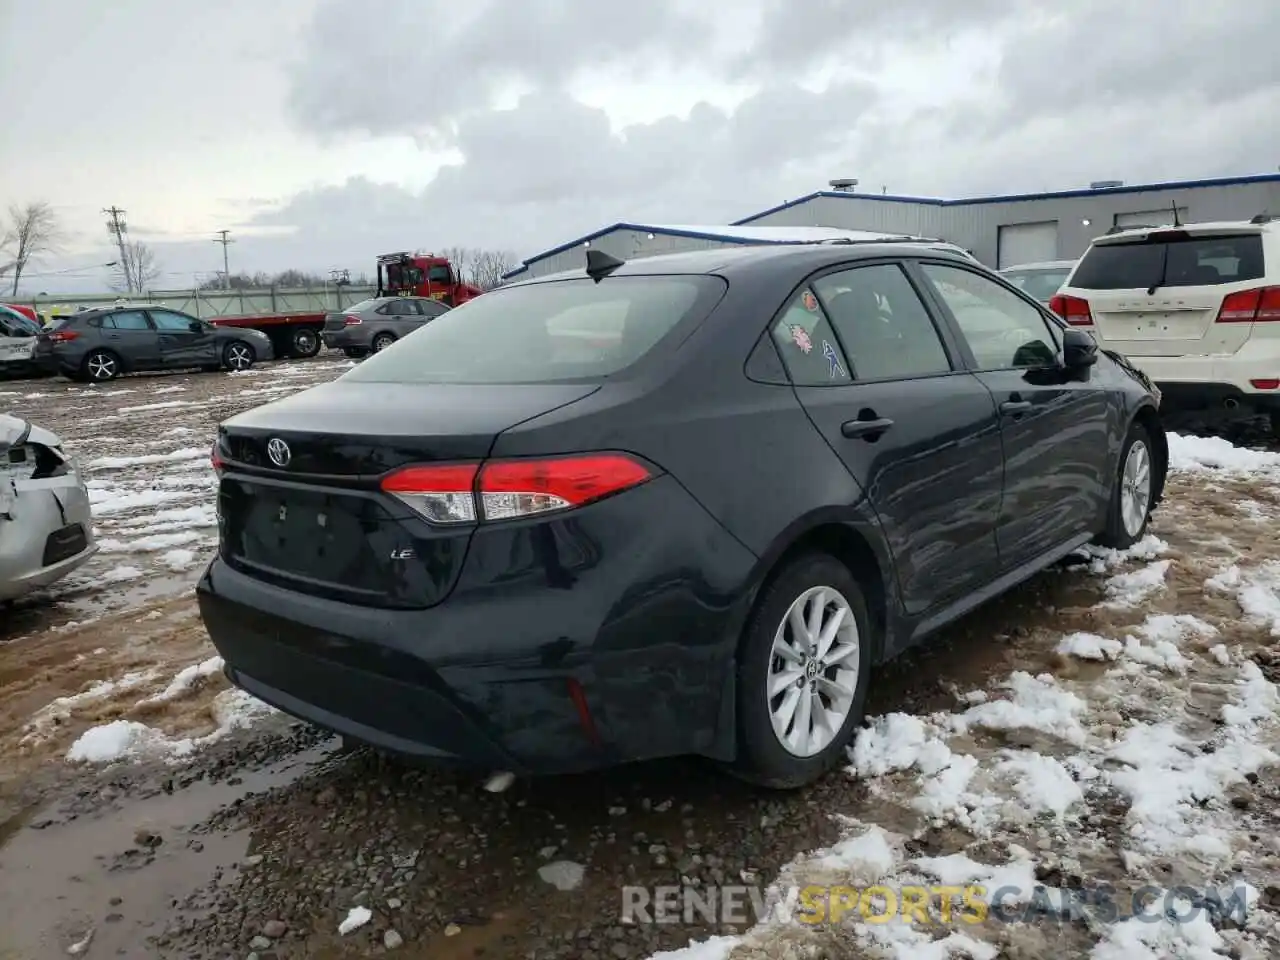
<point x="1028" y="243"/>
<point x="1149" y="218"/>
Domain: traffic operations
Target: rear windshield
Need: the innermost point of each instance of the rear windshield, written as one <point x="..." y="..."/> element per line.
<point x="560" y="330"/>
<point x="1040" y="284"/>
<point x="1180" y="261"/>
<point x="362" y="306"/>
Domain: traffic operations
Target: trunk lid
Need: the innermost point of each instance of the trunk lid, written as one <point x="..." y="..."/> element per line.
<point x="333" y="322"/>
<point x="319" y="523"/>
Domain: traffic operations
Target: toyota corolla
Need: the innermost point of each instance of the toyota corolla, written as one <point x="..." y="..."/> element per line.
<point x="683" y="505"/>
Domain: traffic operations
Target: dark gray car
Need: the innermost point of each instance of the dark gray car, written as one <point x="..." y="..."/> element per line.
<point x="103" y="344"/>
<point x="373" y="325"/>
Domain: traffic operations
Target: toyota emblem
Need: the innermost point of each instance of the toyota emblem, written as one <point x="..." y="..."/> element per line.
<point x="278" y="451"/>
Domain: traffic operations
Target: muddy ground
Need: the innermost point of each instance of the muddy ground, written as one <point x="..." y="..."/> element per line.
<point x="262" y="841"/>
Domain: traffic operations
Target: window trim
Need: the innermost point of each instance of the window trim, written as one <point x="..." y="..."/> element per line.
<point x="1052" y="324"/>
<point x="955" y="361"/>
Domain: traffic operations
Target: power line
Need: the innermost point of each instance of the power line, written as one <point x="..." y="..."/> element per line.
<point x="223" y="239"/>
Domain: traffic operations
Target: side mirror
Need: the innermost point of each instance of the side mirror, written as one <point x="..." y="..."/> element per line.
<point x="196" y="326"/>
<point x="1079" y="350"/>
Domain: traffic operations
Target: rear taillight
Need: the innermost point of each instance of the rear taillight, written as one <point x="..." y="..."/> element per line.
<point x="511" y="489"/>
<point x="1073" y="310"/>
<point x="1251" y="306"/>
<point x="215" y="460"/>
<point x="63" y="336"/>
<point x="350" y="320"/>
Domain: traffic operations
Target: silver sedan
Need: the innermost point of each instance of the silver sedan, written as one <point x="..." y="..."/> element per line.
<point x="46" y="526"/>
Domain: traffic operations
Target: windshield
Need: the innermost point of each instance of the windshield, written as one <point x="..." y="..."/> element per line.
<point x="559" y="330"/>
<point x="362" y="306"/>
<point x="1041" y="284"/>
<point x="1170" y="259"/>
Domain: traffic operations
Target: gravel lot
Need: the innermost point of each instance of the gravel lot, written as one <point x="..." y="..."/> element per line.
<point x="232" y="831"/>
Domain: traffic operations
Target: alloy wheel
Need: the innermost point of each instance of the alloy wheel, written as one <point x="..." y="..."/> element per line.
<point x="1135" y="488"/>
<point x="102" y="367"/>
<point x="813" y="671"/>
<point x="381" y="342"/>
<point x="239" y="357"/>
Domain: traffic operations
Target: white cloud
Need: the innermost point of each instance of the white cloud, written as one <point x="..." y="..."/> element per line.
<point x="353" y="127"/>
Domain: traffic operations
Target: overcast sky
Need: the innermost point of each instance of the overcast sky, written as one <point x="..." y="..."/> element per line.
<point x="323" y="132"/>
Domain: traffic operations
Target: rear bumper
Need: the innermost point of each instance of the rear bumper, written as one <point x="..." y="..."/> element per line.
<point x="24" y="564"/>
<point x="640" y="617"/>
<point x="1191" y="395"/>
<point x="342" y="340"/>
<point x="1217" y="381"/>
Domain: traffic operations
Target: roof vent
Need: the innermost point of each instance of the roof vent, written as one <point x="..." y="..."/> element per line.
<point x="1106" y="184"/>
<point x="843" y="185"/>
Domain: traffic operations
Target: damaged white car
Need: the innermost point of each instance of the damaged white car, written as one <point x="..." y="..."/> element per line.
<point x="46" y="526"/>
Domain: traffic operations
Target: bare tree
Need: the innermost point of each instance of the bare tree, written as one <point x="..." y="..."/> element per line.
<point x="488" y="267"/>
<point x="139" y="270"/>
<point x="31" y="230"/>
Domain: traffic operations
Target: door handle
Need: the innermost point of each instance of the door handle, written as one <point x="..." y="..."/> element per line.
<point x="865" y="428"/>
<point x="1015" y="406"/>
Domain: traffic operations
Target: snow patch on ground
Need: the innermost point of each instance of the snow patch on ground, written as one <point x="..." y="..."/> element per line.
<point x="130" y="740"/>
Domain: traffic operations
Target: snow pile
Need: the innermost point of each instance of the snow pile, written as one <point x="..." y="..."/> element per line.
<point x="1199" y="454"/>
<point x="130" y="740"/>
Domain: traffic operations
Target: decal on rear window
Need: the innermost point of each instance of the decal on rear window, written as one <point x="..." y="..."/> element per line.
<point x="829" y="352"/>
<point x="810" y="301"/>
<point x="800" y="337"/>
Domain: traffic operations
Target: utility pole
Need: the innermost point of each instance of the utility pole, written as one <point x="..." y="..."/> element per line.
<point x="118" y="229"/>
<point x="223" y="239"/>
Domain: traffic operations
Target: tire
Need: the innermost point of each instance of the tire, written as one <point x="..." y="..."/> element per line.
<point x="1127" y="514"/>
<point x="382" y="341"/>
<point x="238" y="356"/>
<point x="100" y="366"/>
<point x="762" y="757"/>
<point x="305" y="343"/>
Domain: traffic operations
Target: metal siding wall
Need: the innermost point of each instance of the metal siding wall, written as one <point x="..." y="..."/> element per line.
<point x="860" y="213"/>
<point x="974" y="226"/>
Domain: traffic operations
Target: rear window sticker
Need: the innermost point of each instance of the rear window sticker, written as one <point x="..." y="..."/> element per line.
<point x="829" y="352"/>
<point x="800" y="337"/>
<point x="810" y="301"/>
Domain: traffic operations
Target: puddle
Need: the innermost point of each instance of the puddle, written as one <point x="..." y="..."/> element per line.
<point x="107" y="873"/>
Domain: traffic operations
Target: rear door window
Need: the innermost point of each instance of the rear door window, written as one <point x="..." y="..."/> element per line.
<point x="127" y="320"/>
<point x="547" y="332"/>
<point x="885" y="328"/>
<point x="808" y="345"/>
<point x="1171" y="258"/>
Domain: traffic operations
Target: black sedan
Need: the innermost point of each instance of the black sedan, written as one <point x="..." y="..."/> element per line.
<point x="100" y="345"/>
<point x="683" y="505"/>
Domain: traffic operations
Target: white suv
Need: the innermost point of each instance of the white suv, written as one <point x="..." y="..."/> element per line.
<point x="1195" y="306"/>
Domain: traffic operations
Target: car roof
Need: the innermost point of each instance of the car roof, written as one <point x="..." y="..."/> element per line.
<point x="1041" y="265"/>
<point x="1256" y="226"/>
<point x="784" y="260"/>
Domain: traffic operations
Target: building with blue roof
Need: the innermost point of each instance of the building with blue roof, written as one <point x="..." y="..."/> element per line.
<point x="1001" y="231"/>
